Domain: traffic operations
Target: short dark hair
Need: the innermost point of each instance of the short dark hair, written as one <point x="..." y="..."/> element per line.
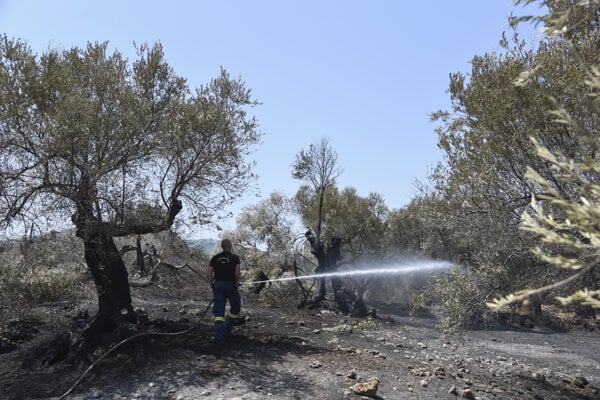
<point x="226" y="244"/>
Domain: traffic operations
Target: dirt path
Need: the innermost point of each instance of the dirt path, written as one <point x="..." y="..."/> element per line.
<point x="288" y="354"/>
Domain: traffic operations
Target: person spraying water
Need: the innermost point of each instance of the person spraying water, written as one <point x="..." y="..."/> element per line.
<point x="402" y="268"/>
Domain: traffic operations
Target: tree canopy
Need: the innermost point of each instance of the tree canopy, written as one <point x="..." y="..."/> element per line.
<point x="86" y="131"/>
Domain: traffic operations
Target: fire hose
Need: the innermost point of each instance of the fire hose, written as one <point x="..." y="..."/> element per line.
<point x="116" y="346"/>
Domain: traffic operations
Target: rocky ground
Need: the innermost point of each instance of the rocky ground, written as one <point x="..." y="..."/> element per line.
<point x="285" y="353"/>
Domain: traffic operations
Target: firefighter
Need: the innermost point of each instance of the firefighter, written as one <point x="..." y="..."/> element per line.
<point x="224" y="274"/>
<point x="262" y="280"/>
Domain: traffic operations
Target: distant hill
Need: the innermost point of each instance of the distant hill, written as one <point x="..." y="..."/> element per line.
<point x="205" y="244"/>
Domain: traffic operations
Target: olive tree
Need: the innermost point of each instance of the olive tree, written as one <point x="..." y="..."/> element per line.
<point x="318" y="167"/>
<point x="118" y="148"/>
<point x="483" y="187"/>
<point x="566" y="222"/>
<point x="267" y="240"/>
<point x="267" y="224"/>
<point x="361" y="223"/>
<point x="264" y="234"/>
<point x="344" y="227"/>
<point x="478" y="194"/>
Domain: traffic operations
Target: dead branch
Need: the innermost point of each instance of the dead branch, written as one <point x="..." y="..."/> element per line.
<point x="154" y="272"/>
<point x="126" y="249"/>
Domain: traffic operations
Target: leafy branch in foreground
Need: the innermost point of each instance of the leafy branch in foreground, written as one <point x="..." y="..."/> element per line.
<point x="566" y="221"/>
<point x="573" y="241"/>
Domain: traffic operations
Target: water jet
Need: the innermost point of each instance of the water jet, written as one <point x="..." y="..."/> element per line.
<point x="401" y="268"/>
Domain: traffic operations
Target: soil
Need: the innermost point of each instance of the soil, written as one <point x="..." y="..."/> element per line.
<point x="286" y="353"/>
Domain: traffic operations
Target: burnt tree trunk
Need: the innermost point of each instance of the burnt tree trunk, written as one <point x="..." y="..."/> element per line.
<point x="115" y="314"/>
<point x="327" y="258"/>
<point x="112" y="284"/>
<point x="151" y="252"/>
<point x="324" y="267"/>
<point x="346" y="301"/>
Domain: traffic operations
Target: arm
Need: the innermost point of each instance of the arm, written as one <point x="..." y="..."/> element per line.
<point x="237" y="273"/>
<point x="210" y="275"/>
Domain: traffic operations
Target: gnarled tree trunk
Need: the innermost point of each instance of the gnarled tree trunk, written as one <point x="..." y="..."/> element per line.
<point x="112" y="283"/>
<point x="112" y="287"/>
<point x="110" y="276"/>
<point x="346" y="301"/>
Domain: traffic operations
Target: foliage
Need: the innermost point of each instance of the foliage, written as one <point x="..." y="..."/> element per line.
<point x="472" y="213"/>
<point x="268" y="223"/>
<point x="264" y="237"/>
<point x="417" y="229"/>
<point x="82" y="127"/>
<point x="360" y="221"/>
<point x="37" y="270"/>
<point x="459" y="292"/>
<point x="480" y="192"/>
<point x="482" y="243"/>
<point x="318" y="167"/>
<point x="46" y="285"/>
<point x="565" y="221"/>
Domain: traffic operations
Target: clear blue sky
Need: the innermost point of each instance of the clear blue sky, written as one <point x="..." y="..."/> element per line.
<point x="365" y="74"/>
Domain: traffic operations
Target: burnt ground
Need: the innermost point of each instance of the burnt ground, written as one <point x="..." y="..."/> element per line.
<point x="286" y="353"/>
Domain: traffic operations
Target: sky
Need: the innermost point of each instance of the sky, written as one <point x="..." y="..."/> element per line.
<point x="364" y="74"/>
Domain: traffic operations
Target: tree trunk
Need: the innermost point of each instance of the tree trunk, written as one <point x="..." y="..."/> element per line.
<point x="112" y="286"/>
<point x="347" y="302"/>
<point x="327" y="259"/>
<point x="115" y="312"/>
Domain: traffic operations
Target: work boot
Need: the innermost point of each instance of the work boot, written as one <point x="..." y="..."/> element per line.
<point x="217" y="341"/>
<point x="229" y="323"/>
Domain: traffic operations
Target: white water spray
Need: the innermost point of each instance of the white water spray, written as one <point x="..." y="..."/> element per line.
<point x="420" y="266"/>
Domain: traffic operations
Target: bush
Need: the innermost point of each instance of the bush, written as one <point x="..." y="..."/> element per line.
<point x="458" y="294"/>
<point x="41" y="269"/>
<point x="47" y="285"/>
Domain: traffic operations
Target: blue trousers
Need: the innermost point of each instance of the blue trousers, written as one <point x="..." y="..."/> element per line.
<point x="222" y="292"/>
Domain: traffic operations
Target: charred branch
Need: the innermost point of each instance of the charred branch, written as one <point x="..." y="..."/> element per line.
<point x="153" y="275"/>
<point x="126" y="249"/>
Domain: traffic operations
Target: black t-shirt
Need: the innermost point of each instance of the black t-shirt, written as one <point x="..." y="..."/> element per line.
<point x="224" y="265"/>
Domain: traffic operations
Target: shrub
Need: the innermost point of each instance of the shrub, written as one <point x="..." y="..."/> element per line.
<point x="41" y="269"/>
<point x="47" y="285"/>
<point x="458" y="293"/>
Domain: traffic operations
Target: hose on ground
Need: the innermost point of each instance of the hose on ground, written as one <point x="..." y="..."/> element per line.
<point x="116" y="346"/>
